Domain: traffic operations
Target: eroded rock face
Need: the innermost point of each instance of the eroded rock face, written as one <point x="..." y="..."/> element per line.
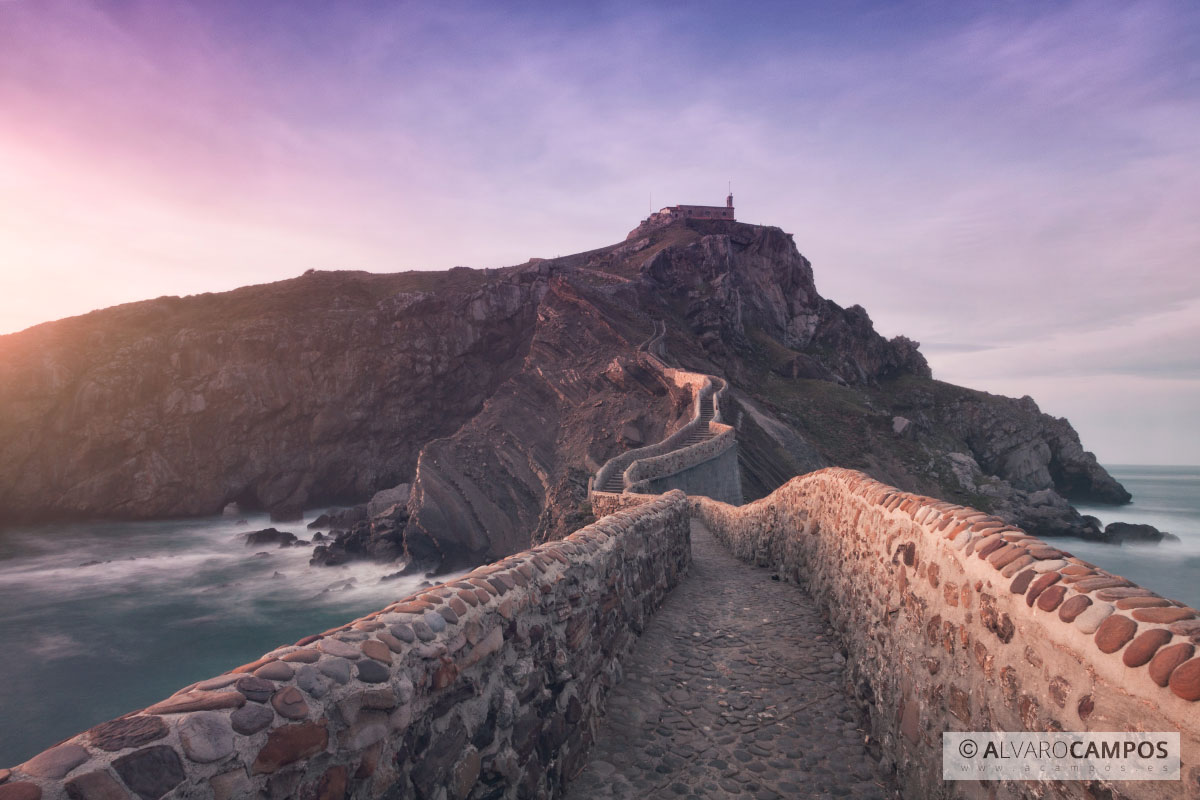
<point x="519" y="469"/>
<point x="318" y="389"/>
<point x="738" y="281"/>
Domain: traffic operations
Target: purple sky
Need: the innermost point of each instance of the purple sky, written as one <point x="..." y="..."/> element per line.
<point x="1016" y="185"/>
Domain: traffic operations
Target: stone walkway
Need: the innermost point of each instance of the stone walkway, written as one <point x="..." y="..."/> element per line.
<point x="734" y="690"/>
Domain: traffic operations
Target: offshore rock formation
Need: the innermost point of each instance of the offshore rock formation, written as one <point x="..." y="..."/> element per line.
<point x="495" y="394"/>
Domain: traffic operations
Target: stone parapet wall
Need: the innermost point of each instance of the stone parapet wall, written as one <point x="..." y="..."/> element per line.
<point x="702" y="386"/>
<point x="644" y="470"/>
<point x="605" y="503"/>
<point x="483" y="687"/>
<point x="954" y="621"/>
<point x="642" y="465"/>
<point x="718" y="478"/>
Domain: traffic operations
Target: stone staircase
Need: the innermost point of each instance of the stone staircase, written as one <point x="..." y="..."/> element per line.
<point x="612" y="481"/>
<point x="703" y="431"/>
<point x="614" y="484"/>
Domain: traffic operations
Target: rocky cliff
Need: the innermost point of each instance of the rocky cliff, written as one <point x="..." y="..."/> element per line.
<point x="315" y="390"/>
<point x="496" y="394"/>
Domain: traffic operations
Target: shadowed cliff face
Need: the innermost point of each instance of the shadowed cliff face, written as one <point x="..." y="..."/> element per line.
<point x="496" y="393"/>
<point x="518" y="471"/>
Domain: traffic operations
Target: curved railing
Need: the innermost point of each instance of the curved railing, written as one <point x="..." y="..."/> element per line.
<point x="703" y="437"/>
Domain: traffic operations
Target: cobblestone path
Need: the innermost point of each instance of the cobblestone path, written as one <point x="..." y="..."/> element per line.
<point x="734" y="690"/>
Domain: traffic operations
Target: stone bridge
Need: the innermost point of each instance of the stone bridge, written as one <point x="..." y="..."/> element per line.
<point x="815" y="643"/>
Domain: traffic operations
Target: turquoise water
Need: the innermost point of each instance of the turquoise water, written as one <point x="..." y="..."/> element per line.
<point x="1169" y="499"/>
<point x="172" y="603"/>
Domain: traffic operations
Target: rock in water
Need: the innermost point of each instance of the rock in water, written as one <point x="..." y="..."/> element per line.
<point x="270" y="536"/>
<point x="1122" y="532"/>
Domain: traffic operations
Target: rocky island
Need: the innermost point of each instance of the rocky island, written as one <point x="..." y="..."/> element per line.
<point x="603" y="489"/>
<point x="495" y="394"/>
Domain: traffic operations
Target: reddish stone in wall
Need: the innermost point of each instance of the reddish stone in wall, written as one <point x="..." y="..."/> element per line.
<point x="983" y="658"/>
<point x="1043" y="582"/>
<point x="991" y="547"/>
<point x="933" y="630"/>
<point x="289" y="744"/>
<point x="97" y="785"/>
<point x="1144" y="646"/>
<point x="1071" y="609"/>
<point x="1028" y="708"/>
<point x="1162" y="614"/>
<point x="1122" y="592"/>
<point x="1114" y="633"/>
<point x="1049" y="599"/>
<point x="20" y="790"/>
<point x="1167" y="659"/>
<point x="1021" y="582"/>
<point x="1012" y="554"/>
<point x="1127" y="603"/>
<point x="1100" y="582"/>
<point x="1185" y="680"/>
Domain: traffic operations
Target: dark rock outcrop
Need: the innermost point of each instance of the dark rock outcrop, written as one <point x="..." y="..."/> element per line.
<point x="1124" y="532"/>
<point x="270" y="536"/>
<point x="388" y="498"/>
<point x="341" y="518"/>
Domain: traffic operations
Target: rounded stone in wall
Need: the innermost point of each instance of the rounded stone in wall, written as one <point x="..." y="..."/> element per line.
<point x="1050" y="599"/>
<point x="1185" y="680"/>
<point x="126" y="732"/>
<point x="206" y="737"/>
<point x="251" y="718"/>
<point x="1167" y="659"/>
<point x="1114" y="633"/>
<point x="1073" y="607"/>
<point x="1144" y="646"/>
<point x="1163" y="615"/>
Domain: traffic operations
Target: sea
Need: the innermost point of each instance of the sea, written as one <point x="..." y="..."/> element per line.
<point x="1167" y="498"/>
<point x="100" y="619"/>
<point x="97" y="620"/>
